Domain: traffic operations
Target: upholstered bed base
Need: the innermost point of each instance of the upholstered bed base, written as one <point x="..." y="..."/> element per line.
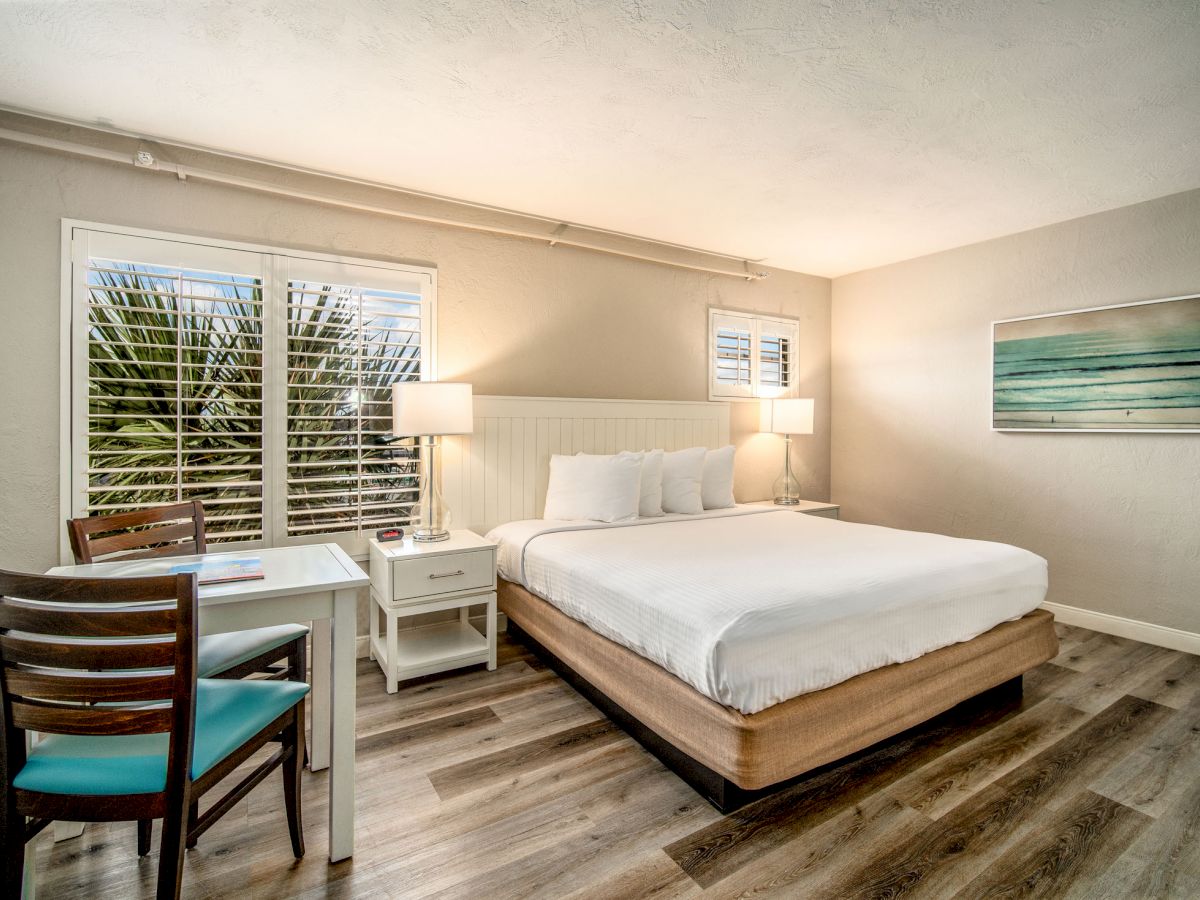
<point x="729" y="756"/>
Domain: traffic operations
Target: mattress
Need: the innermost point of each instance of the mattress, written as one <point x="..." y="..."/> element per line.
<point x="754" y="606"/>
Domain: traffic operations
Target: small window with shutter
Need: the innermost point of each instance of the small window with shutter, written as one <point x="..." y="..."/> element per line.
<point x="750" y="355"/>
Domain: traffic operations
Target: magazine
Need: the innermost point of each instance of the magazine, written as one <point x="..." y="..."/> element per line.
<point x="217" y="571"/>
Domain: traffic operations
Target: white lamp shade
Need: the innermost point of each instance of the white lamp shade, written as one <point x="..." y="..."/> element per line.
<point x="792" y="416"/>
<point x="422" y="408"/>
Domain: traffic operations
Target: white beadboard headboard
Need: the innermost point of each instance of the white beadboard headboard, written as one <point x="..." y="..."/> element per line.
<point x="499" y="473"/>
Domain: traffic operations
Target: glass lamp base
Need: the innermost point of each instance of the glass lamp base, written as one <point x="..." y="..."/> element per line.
<point x="787" y="488"/>
<point x="431" y="519"/>
<point x="428" y="535"/>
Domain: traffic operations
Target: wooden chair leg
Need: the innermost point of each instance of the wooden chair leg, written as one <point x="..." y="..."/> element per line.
<point x="193" y="815"/>
<point x="297" y="661"/>
<point x="293" y="769"/>
<point x="145" y="835"/>
<point x="14" y="857"/>
<point x="171" y="852"/>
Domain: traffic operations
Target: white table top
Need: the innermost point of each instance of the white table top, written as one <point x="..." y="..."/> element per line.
<point x="287" y="571"/>
<point x="802" y="506"/>
<point x="459" y="541"/>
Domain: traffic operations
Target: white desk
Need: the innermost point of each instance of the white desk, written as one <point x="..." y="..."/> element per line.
<point x="317" y="583"/>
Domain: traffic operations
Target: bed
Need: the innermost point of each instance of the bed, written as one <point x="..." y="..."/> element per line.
<point x="749" y="646"/>
<point x="745" y="647"/>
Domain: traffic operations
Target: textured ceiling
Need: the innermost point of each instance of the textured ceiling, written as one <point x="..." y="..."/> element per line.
<point x="822" y="136"/>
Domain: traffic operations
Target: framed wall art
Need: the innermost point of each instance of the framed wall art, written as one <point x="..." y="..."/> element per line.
<point x="1130" y="367"/>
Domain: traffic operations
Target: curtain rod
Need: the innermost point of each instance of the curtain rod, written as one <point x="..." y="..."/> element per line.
<point x="146" y="161"/>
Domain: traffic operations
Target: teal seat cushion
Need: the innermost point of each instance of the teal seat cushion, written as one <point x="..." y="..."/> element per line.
<point x="228" y="713"/>
<point x="217" y="652"/>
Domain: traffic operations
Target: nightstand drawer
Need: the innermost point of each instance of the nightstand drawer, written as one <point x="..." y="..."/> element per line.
<point x="416" y="577"/>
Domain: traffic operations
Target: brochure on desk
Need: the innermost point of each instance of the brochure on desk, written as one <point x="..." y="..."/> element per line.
<point x="220" y="571"/>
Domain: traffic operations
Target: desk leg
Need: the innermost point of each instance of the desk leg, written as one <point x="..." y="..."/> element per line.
<point x="318" y="747"/>
<point x="341" y="727"/>
<point x="29" y="879"/>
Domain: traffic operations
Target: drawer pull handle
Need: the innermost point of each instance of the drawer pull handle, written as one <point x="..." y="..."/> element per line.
<point x="448" y="574"/>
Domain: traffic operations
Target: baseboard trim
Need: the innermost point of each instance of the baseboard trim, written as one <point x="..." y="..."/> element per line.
<point x="1134" y="629"/>
<point x="362" y="648"/>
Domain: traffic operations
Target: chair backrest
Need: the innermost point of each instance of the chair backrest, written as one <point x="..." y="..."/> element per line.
<point x="176" y="530"/>
<point x="73" y="661"/>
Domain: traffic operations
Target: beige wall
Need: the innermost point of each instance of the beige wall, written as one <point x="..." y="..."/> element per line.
<point x="515" y="316"/>
<point x="1117" y="516"/>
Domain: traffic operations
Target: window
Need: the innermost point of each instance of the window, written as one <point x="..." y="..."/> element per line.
<point x="175" y="392"/>
<point x="257" y="381"/>
<point x="346" y="345"/>
<point x="750" y="355"/>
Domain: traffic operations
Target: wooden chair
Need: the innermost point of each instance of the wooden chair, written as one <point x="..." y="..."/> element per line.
<point x="130" y="732"/>
<point x="175" y="530"/>
<point x="178" y="530"/>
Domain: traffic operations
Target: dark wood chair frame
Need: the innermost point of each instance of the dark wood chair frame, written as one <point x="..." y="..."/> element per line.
<point x="176" y="530"/>
<point x="52" y="685"/>
<point x="164" y="531"/>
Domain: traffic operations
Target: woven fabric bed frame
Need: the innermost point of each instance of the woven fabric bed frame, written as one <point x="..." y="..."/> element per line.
<point x="730" y="757"/>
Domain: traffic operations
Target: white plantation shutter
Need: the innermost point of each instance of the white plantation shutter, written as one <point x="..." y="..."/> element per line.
<point x="732" y="340"/>
<point x="257" y="382"/>
<point x="170" y="348"/>
<point x="352" y="332"/>
<point x="776" y="343"/>
<point x="750" y="356"/>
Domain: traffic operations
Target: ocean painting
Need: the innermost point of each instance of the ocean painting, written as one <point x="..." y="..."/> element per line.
<point x="1121" y="368"/>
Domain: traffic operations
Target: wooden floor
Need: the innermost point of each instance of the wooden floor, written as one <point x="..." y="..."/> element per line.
<point x="507" y="784"/>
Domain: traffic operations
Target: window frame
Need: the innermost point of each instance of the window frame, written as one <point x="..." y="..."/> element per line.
<point x="275" y="272"/>
<point x="755" y="322"/>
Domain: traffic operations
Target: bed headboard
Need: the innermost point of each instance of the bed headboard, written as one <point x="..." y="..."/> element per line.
<point x="499" y="473"/>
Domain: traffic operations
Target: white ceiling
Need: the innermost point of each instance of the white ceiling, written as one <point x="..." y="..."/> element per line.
<point x="825" y="137"/>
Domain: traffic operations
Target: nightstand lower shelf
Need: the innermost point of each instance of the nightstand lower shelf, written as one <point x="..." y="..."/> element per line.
<point x="427" y="649"/>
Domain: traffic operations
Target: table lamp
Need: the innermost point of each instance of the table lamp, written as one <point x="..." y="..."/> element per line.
<point x="787" y="417"/>
<point x="428" y="410"/>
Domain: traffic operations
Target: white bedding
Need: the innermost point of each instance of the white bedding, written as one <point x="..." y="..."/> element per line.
<point x="754" y="606"/>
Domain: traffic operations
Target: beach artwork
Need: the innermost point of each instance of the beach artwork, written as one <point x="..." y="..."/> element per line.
<point x="1120" y="368"/>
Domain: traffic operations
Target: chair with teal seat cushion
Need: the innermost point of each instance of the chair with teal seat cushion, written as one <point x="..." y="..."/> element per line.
<point x="174" y="530"/>
<point x="221" y="655"/>
<point x="228" y="713"/>
<point x="105" y="670"/>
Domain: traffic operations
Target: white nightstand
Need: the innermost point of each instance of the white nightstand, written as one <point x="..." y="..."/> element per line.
<point x="408" y="579"/>
<point x="808" y="507"/>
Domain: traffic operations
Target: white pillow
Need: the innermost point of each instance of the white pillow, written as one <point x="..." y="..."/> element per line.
<point x="683" y="473"/>
<point x="650" y="502"/>
<point x="716" y="491"/>
<point x="652" y="484"/>
<point x="604" y="488"/>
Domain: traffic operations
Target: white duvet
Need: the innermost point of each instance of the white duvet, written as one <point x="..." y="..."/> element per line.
<point x="755" y="606"/>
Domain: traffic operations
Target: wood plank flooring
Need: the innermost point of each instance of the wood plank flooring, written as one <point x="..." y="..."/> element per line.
<point x="508" y="784"/>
